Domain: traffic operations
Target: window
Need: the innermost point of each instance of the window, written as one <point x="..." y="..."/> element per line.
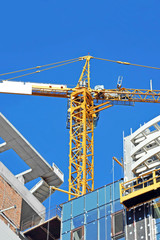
<point x="117" y="206"/>
<point x="108" y="209"/>
<point x="66" y="211"/>
<point x="102" y="212"/>
<point x="66" y="236"/>
<point x="108" y="193"/>
<point x="66" y="226"/>
<point x="78" y="221"/>
<point x="101" y="196"/>
<point x="92" y="231"/>
<point x="158" y="228"/>
<point x="77" y="234"/>
<point x="117" y="225"/>
<point x="102" y="229"/>
<point x="78" y="206"/>
<point x="158" y="236"/>
<point x="91" y="216"/>
<point x="116" y="194"/>
<point x="91" y="201"/>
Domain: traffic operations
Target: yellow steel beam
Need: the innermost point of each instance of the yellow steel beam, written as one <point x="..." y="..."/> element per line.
<point x="84" y="80"/>
<point x="64" y="191"/>
<point x="108" y="106"/>
<point x="114" y="158"/>
<point x="100" y="105"/>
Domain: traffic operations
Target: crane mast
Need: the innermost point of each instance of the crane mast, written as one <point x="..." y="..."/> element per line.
<point x="84" y="106"/>
<point x="81" y="156"/>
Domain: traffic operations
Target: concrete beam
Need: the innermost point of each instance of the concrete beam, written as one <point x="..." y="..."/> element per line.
<point x="4" y="147"/>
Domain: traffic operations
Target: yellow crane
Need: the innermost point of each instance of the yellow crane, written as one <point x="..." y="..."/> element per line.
<point x="84" y="105"/>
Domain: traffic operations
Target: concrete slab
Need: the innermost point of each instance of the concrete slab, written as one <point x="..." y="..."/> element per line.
<point x="39" y="167"/>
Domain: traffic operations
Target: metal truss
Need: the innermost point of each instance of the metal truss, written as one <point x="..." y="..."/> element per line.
<point x="81" y="157"/>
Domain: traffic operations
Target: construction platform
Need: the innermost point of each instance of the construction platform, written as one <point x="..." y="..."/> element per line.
<point x="140" y="190"/>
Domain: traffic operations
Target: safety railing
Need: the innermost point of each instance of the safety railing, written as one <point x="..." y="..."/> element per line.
<point x="149" y="181"/>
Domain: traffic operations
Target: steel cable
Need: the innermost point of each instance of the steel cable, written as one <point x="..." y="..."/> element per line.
<point x="126" y="63"/>
<point x="38" y="71"/>
<point x="27" y="69"/>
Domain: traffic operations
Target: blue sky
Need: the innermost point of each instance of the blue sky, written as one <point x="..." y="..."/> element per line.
<point x="45" y="31"/>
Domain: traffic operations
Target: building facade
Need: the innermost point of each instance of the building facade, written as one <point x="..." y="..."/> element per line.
<point x="140" y="190"/>
<point x="97" y="215"/>
<point x="100" y="215"/>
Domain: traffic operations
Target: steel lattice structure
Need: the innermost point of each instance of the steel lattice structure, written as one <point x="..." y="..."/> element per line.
<point x="81" y="157"/>
<point x="84" y="106"/>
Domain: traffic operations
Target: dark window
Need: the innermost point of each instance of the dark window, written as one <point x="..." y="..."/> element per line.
<point x="118" y="225"/>
<point x="77" y="234"/>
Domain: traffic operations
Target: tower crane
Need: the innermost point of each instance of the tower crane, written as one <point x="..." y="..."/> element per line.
<point x="84" y="105"/>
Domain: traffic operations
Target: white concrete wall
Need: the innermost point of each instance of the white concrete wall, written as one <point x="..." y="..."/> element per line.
<point x="6" y="233"/>
<point x="142" y="149"/>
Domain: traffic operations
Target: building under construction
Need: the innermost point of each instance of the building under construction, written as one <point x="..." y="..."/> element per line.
<point x="125" y="209"/>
